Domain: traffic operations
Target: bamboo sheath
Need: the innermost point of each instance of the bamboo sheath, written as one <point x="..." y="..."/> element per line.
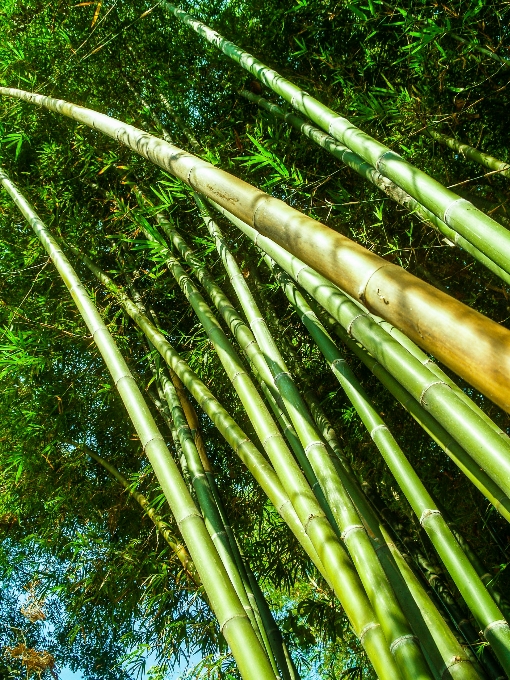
<point x="479" y="229"/>
<point x="356" y="163"/>
<point x="177" y="548"/>
<point x="487" y="614"/>
<point x="234" y="624"/>
<point x="471" y="345"/>
<point x="481" y="440"/>
<point x="471" y="153"/>
<point x="338" y="569"/>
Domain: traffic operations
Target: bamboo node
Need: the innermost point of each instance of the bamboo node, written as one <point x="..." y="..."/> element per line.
<point x="363" y="289"/>
<point x="271" y="436"/>
<point x="243" y="441"/>
<point x="349" y="327"/>
<point x="311" y="444"/>
<point x="237" y="374"/>
<point x="501" y="623"/>
<point x="279" y="375"/>
<point x="449" y="207"/>
<point x="382" y="426"/>
<point x="401" y="640"/>
<point x="349" y="529"/>
<point x="436" y="382"/>
<point x="257" y="319"/>
<point x="235" y="616"/>
<point x="366" y="629"/>
<point x="427" y="513"/>
<point x="386" y="153"/>
<point x="453" y="662"/>
<point x="296" y="276"/>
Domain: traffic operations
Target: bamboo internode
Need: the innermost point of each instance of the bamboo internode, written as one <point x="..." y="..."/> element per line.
<point x="474" y="347"/>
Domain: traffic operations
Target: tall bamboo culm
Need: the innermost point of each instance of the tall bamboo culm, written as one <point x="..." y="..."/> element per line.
<point x="234" y="624"/>
<point x="474" y="347"/>
<point x="479" y="229"/>
<point x="367" y="171"/>
<point x="486" y="612"/>
<point x="338" y="569"/>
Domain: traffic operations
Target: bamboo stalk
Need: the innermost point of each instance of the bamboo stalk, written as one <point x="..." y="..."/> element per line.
<point x="481" y="440"/>
<point x="479" y="229"/>
<point x="488" y="615"/>
<point x="177" y="548"/>
<point x="470" y="152"/>
<point x="234" y="624"/>
<point x="356" y="163"/>
<point x="336" y="564"/>
<point x="471" y="345"/>
<point x="405" y="592"/>
<point x="381" y="595"/>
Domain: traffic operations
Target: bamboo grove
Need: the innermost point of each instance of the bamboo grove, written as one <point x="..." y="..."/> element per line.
<point x="255" y="268"/>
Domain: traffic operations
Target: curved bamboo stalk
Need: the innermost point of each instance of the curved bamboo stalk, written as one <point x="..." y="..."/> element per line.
<point x="474" y="347"/>
<point x="405" y="592"/>
<point x="479" y="229"/>
<point x="234" y="624"/>
<point x="336" y="564"/>
<point x="382" y="597"/>
<point x="470" y="152"/>
<point x="486" y="612"/>
<point x="481" y="440"/>
<point x="364" y="169"/>
<point x="177" y="548"/>
<point x="463" y="460"/>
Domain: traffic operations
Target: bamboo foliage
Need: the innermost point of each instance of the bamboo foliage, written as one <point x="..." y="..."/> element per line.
<point x="233" y="621"/>
<point x="479" y="229"/>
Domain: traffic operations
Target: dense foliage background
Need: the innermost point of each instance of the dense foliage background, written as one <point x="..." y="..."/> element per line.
<point x="72" y="541"/>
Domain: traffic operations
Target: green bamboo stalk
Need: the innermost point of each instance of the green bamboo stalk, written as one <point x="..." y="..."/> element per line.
<point x="348" y="479"/>
<point x="356" y="163"/>
<point x="377" y="586"/>
<point x="177" y="548"/>
<point x="470" y="152"/>
<point x="251" y="349"/>
<point x="479" y="601"/>
<point x="458" y="455"/>
<point x="234" y="624"/>
<point x="478" y="350"/>
<point x="481" y="440"/>
<point x="336" y="564"/>
<point x="484" y="233"/>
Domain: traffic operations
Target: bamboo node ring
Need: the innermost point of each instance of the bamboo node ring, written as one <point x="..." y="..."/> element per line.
<point x="217" y="534"/>
<point x="363" y="289"/>
<point x="311" y="444"/>
<point x="501" y="623"/>
<point x="349" y="529"/>
<point x="401" y="640"/>
<point x="422" y="395"/>
<point x="427" y="513"/>
<point x="367" y="628"/>
<point x="235" y="616"/>
<point x="349" y="327"/>
<point x="446" y="214"/>
<point x="309" y="313"/>
<point x="271" y="436"/>
<point x="237" y="374"/>
<point x="195" y="513"/>
<point x="257" y="319"/>
<point x="279" y="375"/>
<point x="386" y="153"/>
<point x="238" y="446"/>
<point x="378" y="427"/>
<point x="453" y="662"/>
<point x="338" y="361"/>
<point x="296" y="276"/>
